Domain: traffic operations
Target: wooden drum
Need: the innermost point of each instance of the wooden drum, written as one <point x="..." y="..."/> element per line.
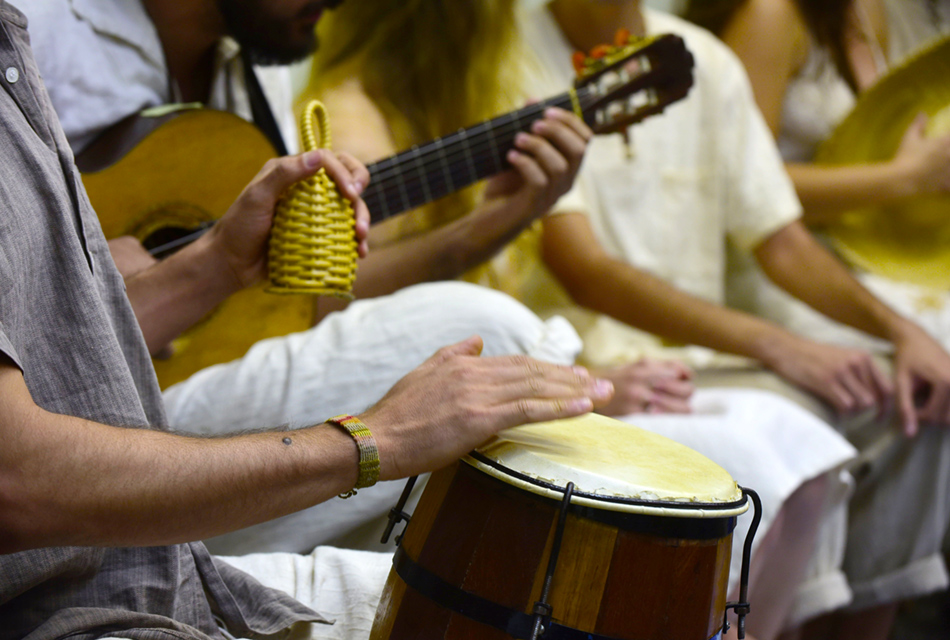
<point x="587" y="528"/>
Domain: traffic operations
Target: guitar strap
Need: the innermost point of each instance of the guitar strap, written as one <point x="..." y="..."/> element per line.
<point x="260" y="108"/>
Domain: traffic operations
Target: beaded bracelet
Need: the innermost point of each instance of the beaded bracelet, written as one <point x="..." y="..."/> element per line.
<point x="369" y="454"/>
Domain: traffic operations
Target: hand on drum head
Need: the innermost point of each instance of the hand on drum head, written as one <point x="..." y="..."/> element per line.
<point x="648" y="386"/>
<point x="456" y="400"/>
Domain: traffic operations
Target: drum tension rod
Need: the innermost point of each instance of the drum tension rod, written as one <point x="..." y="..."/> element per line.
<point x="542" y="610"/>
<point x="743" y="607"/>
<point x="397" y="515"/>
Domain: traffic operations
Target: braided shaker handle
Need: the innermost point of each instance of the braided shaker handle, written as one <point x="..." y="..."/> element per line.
<point x="313" y="241"/>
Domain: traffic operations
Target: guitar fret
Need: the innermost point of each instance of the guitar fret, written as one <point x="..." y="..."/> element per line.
<point x="401" y="183"/>
<point x="466" y="149"/>
<point x="443" y="161"/>
<point x="420" y="170"/>
<point x="494" y="147"/>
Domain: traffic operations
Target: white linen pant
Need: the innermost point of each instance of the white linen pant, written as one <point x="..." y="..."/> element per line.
<point x="344" y="365"/>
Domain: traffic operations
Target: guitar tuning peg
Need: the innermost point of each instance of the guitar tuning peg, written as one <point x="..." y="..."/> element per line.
<point x="580" y="62"/>
<point x="622" y="38"/>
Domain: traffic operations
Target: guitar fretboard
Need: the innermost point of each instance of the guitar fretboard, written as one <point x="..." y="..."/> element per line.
<point x="431" y="171"/>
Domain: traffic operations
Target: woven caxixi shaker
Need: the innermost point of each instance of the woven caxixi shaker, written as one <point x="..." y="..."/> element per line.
<point x="313" y="240"/>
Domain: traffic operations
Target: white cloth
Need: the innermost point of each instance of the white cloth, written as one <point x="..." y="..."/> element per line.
<point x="703" y="175"/>
<point x="343" y="365"/>
<point x="751" y="434"/>
<point x="102" y="60"/>
<point x="346" y="585"/>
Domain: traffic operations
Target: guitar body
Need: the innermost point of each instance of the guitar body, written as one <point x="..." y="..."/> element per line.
<point x="181" y="171"/>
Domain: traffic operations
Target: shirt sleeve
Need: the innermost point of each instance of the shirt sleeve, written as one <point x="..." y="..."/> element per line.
<point x="760" y="198"/>
<point x="6" y="347"/>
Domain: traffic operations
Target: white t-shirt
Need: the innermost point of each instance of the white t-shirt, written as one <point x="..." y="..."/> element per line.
<point x="102" y="60"/>
<point x="703" y="176"/>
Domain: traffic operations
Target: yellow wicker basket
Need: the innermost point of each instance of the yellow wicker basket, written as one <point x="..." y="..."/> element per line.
<point x="313" y="242"/>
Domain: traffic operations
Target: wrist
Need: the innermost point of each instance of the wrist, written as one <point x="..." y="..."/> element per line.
<point x="368" y="465"/>
<point x="903" y="179"/>
<point x="773" y="349"/>
<point x="218" y="264"/>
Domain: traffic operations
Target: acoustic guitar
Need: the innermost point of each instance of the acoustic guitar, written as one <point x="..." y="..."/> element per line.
<point x="162" y="178"/>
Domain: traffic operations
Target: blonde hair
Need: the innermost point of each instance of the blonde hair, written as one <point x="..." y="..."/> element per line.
<point x="430" y="66"/>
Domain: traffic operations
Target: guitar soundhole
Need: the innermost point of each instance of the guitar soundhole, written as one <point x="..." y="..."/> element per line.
<point x="165" y="241"/>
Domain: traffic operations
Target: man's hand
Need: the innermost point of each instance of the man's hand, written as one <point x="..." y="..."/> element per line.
<point x="922" y="379"/>
<point x="545" y="163"/>
<point x="648" y="386"/>
<point x="848" y="379"/>
<point x="456" y="400"/>
<point x="241" y="234"/>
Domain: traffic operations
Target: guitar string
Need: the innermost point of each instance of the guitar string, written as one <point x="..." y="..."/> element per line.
<point x="394" y="177"/>
<point x="448" y="145"/>
<point x="394" y="184"/>
<point x="394" y="163"/>
<point x="410" y="187"/>
<point x="390" y="176"/>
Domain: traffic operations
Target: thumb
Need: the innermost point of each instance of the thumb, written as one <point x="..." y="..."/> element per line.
<point x="471" y="346"/>
<point x="278" y="174"/>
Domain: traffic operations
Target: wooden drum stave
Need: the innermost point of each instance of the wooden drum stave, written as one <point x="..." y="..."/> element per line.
<point x="640" y="528"/>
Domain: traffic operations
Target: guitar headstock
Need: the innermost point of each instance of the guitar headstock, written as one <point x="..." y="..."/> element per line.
<point x="632" y="79"/>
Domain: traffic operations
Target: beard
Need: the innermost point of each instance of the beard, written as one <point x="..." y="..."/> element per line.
<point x="270" y="39"/>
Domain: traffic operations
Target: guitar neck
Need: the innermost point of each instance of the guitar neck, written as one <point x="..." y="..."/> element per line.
<point x="445" y="165"/>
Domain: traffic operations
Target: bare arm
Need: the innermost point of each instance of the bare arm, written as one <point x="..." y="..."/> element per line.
<point x="172" y="295"/>
<point x="543" y="168"/>
<point x="67" y="481"/>
<point x="845" y="378"/>
<point x="771" y="39"/>
<point x="798" y="264"/>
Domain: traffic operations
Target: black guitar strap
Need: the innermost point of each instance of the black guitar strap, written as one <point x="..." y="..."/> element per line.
<point x="260" y="108"/>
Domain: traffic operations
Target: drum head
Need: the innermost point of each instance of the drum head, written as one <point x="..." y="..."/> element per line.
<point x="614" y="466"/>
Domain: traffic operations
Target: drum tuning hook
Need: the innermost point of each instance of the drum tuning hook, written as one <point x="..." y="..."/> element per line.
<point x="743" y="607"/>
<point x="396" y="514"/>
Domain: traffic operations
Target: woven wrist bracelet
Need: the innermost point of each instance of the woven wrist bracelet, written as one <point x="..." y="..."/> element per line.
<point x="369" y="454"/>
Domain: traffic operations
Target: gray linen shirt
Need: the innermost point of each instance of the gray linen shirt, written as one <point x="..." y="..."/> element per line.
<point x="66" y="323"/>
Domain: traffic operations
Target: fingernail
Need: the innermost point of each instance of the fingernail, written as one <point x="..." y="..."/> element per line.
<point x="521" y="138"/>
<point x="581" y="371"/>
<point x="581" y="405"/>
<point x="312" y="159"/>
<point x="537" y="126"/>
<point x="603" y="388"/>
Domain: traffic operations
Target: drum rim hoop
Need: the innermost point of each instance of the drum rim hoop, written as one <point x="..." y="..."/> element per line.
<point x="606" y="502"/>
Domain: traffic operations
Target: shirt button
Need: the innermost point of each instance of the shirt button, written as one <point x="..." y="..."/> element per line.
<point x="13" y="74"/>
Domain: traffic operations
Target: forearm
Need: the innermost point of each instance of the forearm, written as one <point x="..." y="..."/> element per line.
<point x="175" y="293"/>
<point x="794" y="261"/>
<point x="650" y="304"/>
<point x="81" y="483"/>
<point x="827" y="192"/>
<point x="442" y="254"/>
